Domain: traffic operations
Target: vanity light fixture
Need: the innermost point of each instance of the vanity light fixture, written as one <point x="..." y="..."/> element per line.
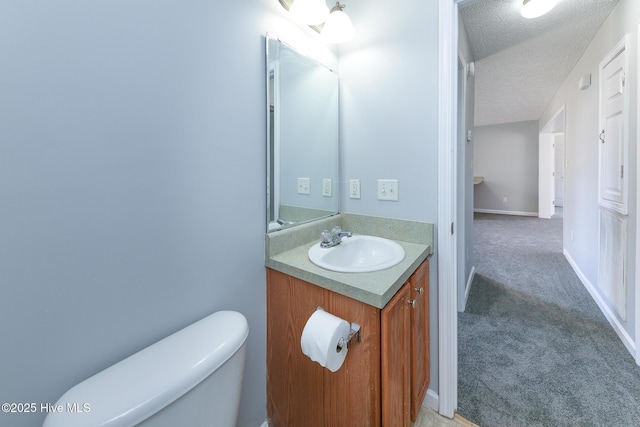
<point x="535" y="8"/>
<point x="334" y="26"/>
<point x="338" y="27"/>
<point x="309" y="12"/>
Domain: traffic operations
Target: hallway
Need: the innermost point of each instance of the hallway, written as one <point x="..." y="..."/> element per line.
<point x="534" y="348"/>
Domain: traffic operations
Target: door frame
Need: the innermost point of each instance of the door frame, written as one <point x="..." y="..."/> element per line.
<point x="447" y="207"/>
<point x="637" y="281"/>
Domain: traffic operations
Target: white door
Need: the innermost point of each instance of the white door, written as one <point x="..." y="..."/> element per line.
<point x="612" y="278"/>
<point x="559" y="169"/>
<point x="546" y="184"/>
<point x="613" y="145"/>
<point x="461" y="188"/>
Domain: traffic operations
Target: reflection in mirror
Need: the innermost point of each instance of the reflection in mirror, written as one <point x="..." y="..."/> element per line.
<point x="302" y="138"/>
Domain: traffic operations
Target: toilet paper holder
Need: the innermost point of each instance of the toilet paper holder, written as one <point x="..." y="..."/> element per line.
<point x="354" y="334"/>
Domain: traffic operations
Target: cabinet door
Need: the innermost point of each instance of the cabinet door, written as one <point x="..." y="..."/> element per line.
<point x="419" y="288"/>
<point x="295" y="393"/>
<point x="352" y="393"/>
<point x="395" y="330"/>
<point x="300" y="392"/>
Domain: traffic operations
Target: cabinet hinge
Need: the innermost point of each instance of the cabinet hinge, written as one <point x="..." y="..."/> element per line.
<point x="621" y="171"/>
<point x="451" y="228"/>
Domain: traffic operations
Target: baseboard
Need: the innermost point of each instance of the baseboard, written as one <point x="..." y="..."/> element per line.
<point x="431" y="400"/>
<point x="467" y="291"/>
<point x="462" y="304"/>
<point x="604" y="307"/>
<point x="501" y="212"/>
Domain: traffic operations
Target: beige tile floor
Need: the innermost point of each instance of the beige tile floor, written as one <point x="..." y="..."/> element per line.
<point x="430" y="418"/>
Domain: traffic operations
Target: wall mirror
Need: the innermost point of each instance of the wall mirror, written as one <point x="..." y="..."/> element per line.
<point x="302" y="138"/>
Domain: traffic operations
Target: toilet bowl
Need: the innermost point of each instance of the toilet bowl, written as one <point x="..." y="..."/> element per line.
<point x="190" y="378"/>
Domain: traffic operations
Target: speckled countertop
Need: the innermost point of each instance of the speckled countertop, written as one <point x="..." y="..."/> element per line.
<point x="287" y="251"/>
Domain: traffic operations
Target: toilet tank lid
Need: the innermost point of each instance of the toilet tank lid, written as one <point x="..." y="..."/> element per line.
<point x="141" y="385"/>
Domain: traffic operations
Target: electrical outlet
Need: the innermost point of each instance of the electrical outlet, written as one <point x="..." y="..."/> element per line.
<point x="388" y="189"/>
<point x="354" y="188"/>
<point x="326" y="187"/>
<point x="504" y="199"/>
<point x="304" y="186"/>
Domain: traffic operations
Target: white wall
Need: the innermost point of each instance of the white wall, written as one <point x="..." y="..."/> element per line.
<point x="389" y="95"/>
<point x="581" y="151"/>
<point x="132" y="184"/>
<point x="506" y="155"/>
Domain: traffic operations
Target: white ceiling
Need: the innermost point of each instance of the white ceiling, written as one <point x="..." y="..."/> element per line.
<point x="521" y="63"/>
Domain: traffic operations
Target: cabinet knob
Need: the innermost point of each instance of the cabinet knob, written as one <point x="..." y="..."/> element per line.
<point x="420" y="291"/>
<point x="413" y="303"/>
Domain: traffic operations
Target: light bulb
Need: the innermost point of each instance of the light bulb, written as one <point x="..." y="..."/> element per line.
<point x="535" y="8"/>
<point x="338" y="28"/>
<point x="309" y="12"/>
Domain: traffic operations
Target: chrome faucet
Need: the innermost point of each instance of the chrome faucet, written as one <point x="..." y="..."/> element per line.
<point x="334" y="237"/>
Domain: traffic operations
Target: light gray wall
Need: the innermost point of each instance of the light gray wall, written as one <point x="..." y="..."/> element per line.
<point x="133" y="134"/>
<point x="132" y="171"/>
<point x="581" y="151"/>
<point x="389" y="96"/>
<point x="506" y="155"/>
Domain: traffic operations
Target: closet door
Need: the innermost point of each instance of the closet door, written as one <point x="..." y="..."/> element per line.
<point x="613" y="138"/>
<point x="612" y="279"/>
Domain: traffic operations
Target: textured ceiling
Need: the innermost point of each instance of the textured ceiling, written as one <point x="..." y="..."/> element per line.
<point x="521" y="63"/>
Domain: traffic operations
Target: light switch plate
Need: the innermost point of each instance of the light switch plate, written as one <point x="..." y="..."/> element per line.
<point x="388" y="189"/>
<point x="304" y="186"/>
<point x="326" y="187"/>
<point x="354" y="188"/>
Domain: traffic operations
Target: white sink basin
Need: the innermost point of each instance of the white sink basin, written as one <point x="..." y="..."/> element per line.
<point x="358" y="254"/>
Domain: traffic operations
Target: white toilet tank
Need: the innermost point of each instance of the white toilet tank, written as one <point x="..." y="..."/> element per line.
<point x="191" y="378"/>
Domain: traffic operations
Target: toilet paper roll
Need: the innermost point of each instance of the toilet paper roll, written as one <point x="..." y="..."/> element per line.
<point x="320" y="339"/>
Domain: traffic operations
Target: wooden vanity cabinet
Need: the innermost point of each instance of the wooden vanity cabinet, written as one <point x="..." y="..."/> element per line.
<point x="300" y="392"/>
<point x="384" y="377"/>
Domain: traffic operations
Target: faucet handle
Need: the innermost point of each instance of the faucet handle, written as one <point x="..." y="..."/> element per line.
<point x="326" y="236"/>
<point x="336" y="230"/>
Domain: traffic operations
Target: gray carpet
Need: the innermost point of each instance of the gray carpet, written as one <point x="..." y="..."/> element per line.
<point x="534" y="348"/>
